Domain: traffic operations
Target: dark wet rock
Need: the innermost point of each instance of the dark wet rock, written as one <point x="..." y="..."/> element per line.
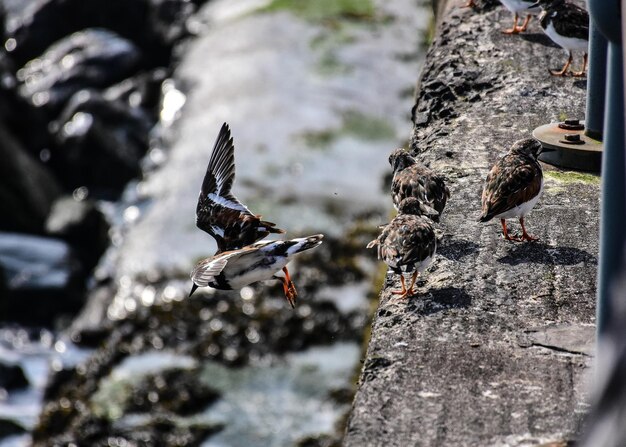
<point x="12" y="376"/>
<point x="91" y="430"/>
<point x="221" y="327"/>
<point x="140" y="91"/>
<point x="172" y="391"/>
<point x="56" y="381"/>
<point x="82" y="225"/>
<point x="319" y="441"/>
<point x="8" y="428"/>
<point x="153" y="25"/>
<point x="27" y="189"/>
<point x="43" y="279"/>
<point x="100" y="143"/>
<point x="92" y="58"/>
<point x="90" y="327"/>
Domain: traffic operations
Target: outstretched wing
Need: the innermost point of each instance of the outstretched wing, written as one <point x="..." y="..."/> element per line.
<point x="220" y="174"/>
<point x="219" y="213"/>
<point x="207" y="269"/>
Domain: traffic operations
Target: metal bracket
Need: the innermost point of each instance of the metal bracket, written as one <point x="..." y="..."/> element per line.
<point x="571" y="148"/>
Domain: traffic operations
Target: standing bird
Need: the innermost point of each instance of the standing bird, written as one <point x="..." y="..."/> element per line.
<point x="232" y="270"/>
<point x="219" y="213"/>
<point x="407" y="243"/>
<point x="517" y="7"/>
<point x="568" y="26"/>
<point x="513" y="186"/>
<point x="412" y="179"/>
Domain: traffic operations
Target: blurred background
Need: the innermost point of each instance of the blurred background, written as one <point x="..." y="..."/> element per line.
<point x="108" y="114"/>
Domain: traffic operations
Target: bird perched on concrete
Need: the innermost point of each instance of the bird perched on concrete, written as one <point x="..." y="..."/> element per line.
<point x="518" y="7"/>
<point x="412" y="179"/>
<point x="568" y="26"/>
<point x="219" y="213"/>
<point x="232" y="270"/>
<point x="513" y="186"/>
<point x="407" y="243"/>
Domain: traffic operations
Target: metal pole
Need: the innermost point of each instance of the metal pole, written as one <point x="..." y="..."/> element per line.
<point x="596" y="83"/>
<point x="606" y="15"/>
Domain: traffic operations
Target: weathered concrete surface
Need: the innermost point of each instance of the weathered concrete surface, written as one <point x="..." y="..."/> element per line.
<point x="494" y="348"/>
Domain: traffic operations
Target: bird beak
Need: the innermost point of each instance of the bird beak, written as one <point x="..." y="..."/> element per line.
<point x="193" y="289"/>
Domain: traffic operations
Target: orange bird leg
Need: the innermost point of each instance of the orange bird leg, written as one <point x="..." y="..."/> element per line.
<point x="525" y="24"/>
<point x="525" y="235"/>
<point x="580" y="73"/>
<point x="515" y="28"/>
<point x="403" y="291"/>
<point x="292" y="286"/>
<point x="290" y="294"/>
<point x="506" y="233"/>
<point x="410" y="292"/>
<point x="565" y="67"/>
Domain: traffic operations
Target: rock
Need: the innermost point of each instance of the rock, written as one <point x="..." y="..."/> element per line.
<point x="9" y="427"/>
<point x="173" y="391"/>
<point x="141" y="91"/>
<point x="88" y="58"/>
<point x="12" y="377"/>
<point x="82" y="225"/>
<point x="27" y="189"/>
<point x="153" y="25"/>
<point x="100" y="143"/>
<point x="43" y="278"/>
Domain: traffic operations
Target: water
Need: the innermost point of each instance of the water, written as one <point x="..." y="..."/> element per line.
<point x="315" y="108"/>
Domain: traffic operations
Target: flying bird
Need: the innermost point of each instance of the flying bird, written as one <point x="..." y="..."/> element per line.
<point x="219" y="213"/>
<point x="232" y="270"/>
<point x="412" y="179"/>
<point x="568" y="26"/>
<point x="407" y="244"/>
<point x="240" y="260"/>
<point x="513" y="187"/>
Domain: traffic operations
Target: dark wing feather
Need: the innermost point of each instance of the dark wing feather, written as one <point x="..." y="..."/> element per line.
<point x="218" y="212"/>
<point x="512" y="181"/>
<point x="572" y="21"/>
<point x="407" y="240"/>
<point x="423" y="184"/>
<point x="220" y="173"/>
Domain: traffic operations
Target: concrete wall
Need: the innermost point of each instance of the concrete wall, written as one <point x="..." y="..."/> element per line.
<point x="494" y="349"/>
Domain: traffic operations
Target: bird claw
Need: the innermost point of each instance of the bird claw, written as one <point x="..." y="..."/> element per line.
<point x="511" y="31"/>
<point x="291" y="294"/>
<point x="528" y="237"/>
<point x="403" y="293"/>
<point x="560" y="73"/>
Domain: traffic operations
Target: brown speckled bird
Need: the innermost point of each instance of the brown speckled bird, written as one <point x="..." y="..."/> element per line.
<point x="513" y="186"/>
<point x="219" y="213"/>
<point x="412" y="179"/>
<point x="567" y="25"/>
<point x="407" y="243"/>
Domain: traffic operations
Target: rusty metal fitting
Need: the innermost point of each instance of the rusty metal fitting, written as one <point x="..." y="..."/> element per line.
<point x="572" y="138"/>
<point x="572" y="124"/>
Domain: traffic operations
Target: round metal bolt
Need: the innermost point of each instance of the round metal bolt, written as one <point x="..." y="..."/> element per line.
<point x="572" y="138"/>
<point x="571" y="124"/>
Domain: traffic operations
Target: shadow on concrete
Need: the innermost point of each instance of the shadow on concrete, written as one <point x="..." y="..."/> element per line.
<point x="457" y="249"/>
<point x="540" y="253"/>
<point x="540" y="38"/>
<point x="439" y="299"/>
